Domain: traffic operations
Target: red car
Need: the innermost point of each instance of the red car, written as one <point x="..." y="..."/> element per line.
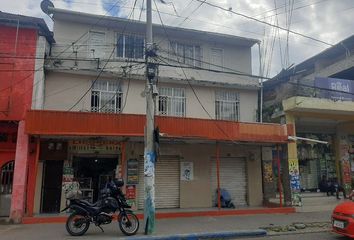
<point x="343" y="219"/>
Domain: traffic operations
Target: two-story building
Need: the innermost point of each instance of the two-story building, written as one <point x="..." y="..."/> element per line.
<point x="23" y="45"/>
<point x="316" y="96"/>
<point x="91" y="125"/>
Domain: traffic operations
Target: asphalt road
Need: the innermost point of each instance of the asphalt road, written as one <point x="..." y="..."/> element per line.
<point x="304" y="236"/>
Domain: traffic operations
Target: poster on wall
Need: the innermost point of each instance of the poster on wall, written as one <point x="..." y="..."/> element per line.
<point x="130" y="195"/>
<point x="187" y="171"/>
<point x="132" y="171"/>
<point x="68" y="172"/>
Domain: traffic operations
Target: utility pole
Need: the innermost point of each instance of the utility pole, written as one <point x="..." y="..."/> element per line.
<point x="149" y="151"/>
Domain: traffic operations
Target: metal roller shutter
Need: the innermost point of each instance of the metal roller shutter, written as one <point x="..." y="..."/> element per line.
<point x="233" y="178"/>
<point x="166" y="182"/>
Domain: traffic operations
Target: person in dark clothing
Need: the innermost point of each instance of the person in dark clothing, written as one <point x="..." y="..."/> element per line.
<point x="335" y="187"/>
<point x="323" y="185"/>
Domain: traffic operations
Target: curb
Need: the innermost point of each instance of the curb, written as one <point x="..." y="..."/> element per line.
<point x="203" y="235"/>
<point x="298" y="232"/>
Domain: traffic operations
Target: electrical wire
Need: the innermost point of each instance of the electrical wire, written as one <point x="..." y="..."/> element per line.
<point x="266" y="23"/>
<point x="196" y="9"/>
<point x="190" y="85"/>
<point x="99" y="74"/>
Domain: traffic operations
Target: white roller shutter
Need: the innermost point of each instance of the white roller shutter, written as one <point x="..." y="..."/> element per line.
<point x="166" y="183"/>
<point x="233" y="178"/>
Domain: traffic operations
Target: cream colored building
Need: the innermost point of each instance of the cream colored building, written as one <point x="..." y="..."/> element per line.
<point x="203" y="77"/>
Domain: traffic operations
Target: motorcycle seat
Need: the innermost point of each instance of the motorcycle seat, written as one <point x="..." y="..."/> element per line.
<point x="88" y="203"/>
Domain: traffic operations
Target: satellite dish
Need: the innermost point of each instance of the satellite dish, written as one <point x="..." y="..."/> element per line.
<point x="46" y="5"/>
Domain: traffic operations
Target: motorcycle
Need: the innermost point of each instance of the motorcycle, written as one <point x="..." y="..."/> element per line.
<point x="102" y="211"/>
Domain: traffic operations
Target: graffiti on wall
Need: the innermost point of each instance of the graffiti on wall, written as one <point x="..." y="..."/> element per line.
<point x="345" y="163"/>
<point x="268" y="172"/>
<point x="294" y="174"/>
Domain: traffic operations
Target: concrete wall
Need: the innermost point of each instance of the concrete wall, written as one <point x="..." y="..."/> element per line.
<point x="38" y="189"/>
<point x="234" y="56"/>
<point x="198" y="192"/>
<point x="63" y="90"/>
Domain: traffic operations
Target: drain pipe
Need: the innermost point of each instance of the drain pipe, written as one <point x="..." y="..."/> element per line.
<point x="261" y="75"/>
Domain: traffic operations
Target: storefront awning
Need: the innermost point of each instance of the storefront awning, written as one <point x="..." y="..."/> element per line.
<point x="60" y="123"/>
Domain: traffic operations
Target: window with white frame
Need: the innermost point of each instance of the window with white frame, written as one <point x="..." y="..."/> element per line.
<point x="96" y="44"/>
<point x="216" y="59"/>
<point x="227" y="105"/>
<point x="186" y="53"/>
<point x="130" y="46"/>
<point x="106" y="97"/>
<point x="172" y="101"/>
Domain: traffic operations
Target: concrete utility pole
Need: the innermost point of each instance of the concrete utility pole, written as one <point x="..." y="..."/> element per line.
<point x="149" y="151"/>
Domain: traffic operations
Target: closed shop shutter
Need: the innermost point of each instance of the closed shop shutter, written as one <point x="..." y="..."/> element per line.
<point x="233" y="178"/>
<point x="166" y="183"/>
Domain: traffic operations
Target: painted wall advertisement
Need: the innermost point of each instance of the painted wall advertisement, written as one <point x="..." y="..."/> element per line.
<point x="343" y="88"/>
<point x="130" y="195"/>
<point x="187" y="171"/>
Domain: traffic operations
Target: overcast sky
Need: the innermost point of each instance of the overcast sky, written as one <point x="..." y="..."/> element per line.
<point x="328" y="20"/>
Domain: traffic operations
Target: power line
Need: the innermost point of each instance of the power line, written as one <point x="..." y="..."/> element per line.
<point x="196" y="9"/>
<point x="206" y="69"/>
<point x="190" y="85"/>
<point x="99" y="74"/>
<point x="90" y="28"/>
<point x="263" y="22"/>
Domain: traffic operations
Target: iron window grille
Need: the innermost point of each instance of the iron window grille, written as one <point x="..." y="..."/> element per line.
<point x="106" y="97"/>
<point x="227" y="106"/>
<point x="172" y="102"/>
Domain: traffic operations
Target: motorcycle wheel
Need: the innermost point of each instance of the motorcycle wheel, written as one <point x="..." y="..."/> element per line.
<point x="128" y="223"/>
<point x="77" y="224"/>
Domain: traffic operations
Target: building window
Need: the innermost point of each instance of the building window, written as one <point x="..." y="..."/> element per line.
<point x="172" y="102"/>
<point x="227" y="106"/>
<point x="216" y="59"/>
<point x="130" y="46"/>
<point x="106" y="97"/>
<point x="97" y="45"/>
<point x="187" y="54"/>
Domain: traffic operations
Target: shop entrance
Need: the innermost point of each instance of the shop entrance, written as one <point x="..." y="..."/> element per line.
<point x="51" y="190"/>
<point x="93" y="173"/>
<point x="6" y="179"/>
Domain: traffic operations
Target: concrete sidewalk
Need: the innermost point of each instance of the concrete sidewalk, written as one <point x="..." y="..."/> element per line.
<point x="167" y="227"/>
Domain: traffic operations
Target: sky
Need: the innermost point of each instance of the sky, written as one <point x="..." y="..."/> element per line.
<point x="330" y="21"/>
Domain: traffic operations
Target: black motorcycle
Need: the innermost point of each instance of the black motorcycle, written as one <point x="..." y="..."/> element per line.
<point x="102" y="212"/>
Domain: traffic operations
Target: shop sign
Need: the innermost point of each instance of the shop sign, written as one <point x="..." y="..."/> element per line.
<point x="132" y="171"/>
<point x="130" y="192"/>
<point x="339" y="89"/>
<point x="187" y="171"/>
<point x="90" y="146"/>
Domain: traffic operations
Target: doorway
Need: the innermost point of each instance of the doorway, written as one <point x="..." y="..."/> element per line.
<point x="93" y="173"/>
<point x="6" y="178"/>
<point x="51" y="187"/>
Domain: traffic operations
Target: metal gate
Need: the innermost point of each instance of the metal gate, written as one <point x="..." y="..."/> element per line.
<point x="233" y="178"/>
<point x="6" y="177"/>
<point x="166" y="182"/>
